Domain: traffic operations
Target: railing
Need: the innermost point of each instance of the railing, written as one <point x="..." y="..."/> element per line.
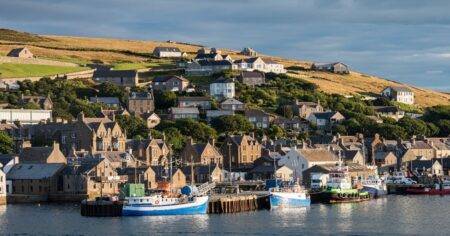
<point x="205" y="188"/>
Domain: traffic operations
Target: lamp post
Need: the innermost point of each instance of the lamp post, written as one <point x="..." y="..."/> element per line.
<point x="229" y="159"/>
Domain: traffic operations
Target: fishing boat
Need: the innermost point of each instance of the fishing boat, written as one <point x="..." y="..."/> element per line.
<point x="375" y="186"/>
<point x="289" y="197"/>
<point x="439" y="188"/>
<point x="340" y="190"/>
<point x="190" y="202"/>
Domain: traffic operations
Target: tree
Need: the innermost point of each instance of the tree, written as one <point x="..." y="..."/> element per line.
<point x="133" y="125"/>
<point x="276" y="131"/>
<point x="32" y="105"/>
<point x="231" y="123"/>
<point x="197" y="130"/>
<point x="413" y="126"/>
<point x="165" y="99"/>
<point x="175" y="138"/>
<point x="6" y="143"/>
<point x="112" y="90"/>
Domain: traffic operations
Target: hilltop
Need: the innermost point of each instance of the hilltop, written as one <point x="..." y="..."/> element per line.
<point x="135" y="54"/>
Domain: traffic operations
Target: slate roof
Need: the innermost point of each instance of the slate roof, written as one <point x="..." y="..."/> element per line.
<point x="215" y="63"/>
<point x="33" y="171"/>
<point x="35" y="154"/>
<point x="105" y="100"/>
<point x="206" y="56"/>
<point x="184" y="110"/>
<point x="324" y="115"/>
<point x="83" y="166"/>
<point x="166" y="78"/>
<point x="255" y="113"/>
<point x="115" y="73"/>
<point x="15" y="52"/>
<point x="141" y="95"/>
<point x="167" y="49"/>
<point x="5" y="158"/>
<point x="247" y="60"/>
<point x="400" y="88"/>
<point x="232" y="101"/>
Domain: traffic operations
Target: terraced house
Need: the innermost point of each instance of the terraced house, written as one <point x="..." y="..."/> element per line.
<point x="90" y="134"/>
<point x="242" y="149"/>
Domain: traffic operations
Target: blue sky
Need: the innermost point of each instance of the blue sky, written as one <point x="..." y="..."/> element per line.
<point x="407" y="41"/>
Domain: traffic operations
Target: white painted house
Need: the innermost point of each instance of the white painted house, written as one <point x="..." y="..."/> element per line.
<point x="222" y="88"/>
<point x="25" y="116"/>
<point x="399" y="94"/>
<point x="162" y="52"/>
<point x="325" y="119"/>
<point x="301" y="159"/>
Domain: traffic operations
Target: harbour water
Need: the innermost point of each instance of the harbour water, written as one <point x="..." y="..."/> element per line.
<point x="393" y="215"/>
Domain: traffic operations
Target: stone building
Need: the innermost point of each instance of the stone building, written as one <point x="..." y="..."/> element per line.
<point x="170" y="83"/>
<point x="336" y="67"/>
<point x="201" y="153"/>
<point x="126" y="78"/>
<point x="43" y="102"/>
<point x="20" y="52"/>
<point x="140" y="103"/>
<point x="400" y="94"/>
<point x="304" y="109"/>
<point x="152" y="152"/>
<point x="167" y="52"/>
<point x="252" y="78"/>
<point x="243" y="150"/>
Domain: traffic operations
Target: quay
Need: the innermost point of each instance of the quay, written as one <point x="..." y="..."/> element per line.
<point x="220" y="204"/>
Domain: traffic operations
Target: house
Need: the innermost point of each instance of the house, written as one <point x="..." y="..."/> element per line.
<point x="209" y="57"/>
<point x="44" y="103"/>
<point x="201" y="153"/>
<point x="90" y="177"/>
<point x="336" y="67"/>
<point x="441" y="146"/>
<point x="232" y="104"/>
<point x="258" y="118"/>
<point x="164" y="52"/>
<point x="353" y="156"/>
<point x="24" y="116"/>
<point x="211" y="114"/>
<point x="273" y="66"/>
<point x="242" y="149"/>
<point x="258" y="64"/>
<point x="264" y="168"/>
<point x="400" y="94"/>
<point x="20" y="52"/>
<point x="227" y="57"/>
<point x="207" y="67"/>
<point x="389" y="111"/>
<point x="252" y="78"/>
<point x="170" y="83"/>
<point x="34" y="182"/>
<point x="425" y="167"/>
<point x="325" y="119"/>
<point x="385" y="159"/>
<point x="9" y="85"/>
<point x="126" y="78"/>
<point x="90" y="134"/>
<point x="141" y="102"/>
<point x="249" y="52"/>
<point x="294" y="124"/>
<point x="111" y="102"/>
<point x="222" y="88"/>
<point x="152" y="152"/>
<point x="151" y="119"/>
<point x="301" y="159"/>
<point x="184" y="113"/>
<point x="42" y="155"/>
<point x="204" y="173"/>
<point x="111" y="114"/>
<point x="304" y="109"/>
<point x="118" y="159"/>
<point x="197" y="102"/>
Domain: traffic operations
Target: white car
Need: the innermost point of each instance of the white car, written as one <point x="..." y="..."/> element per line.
<point x="404" y="181"/>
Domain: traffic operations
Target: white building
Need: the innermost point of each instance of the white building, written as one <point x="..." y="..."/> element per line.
<point x="399" y="94"/>
<point x="222" y="88"/>
<point x="259" y="64"/>
<point x="301" y="159"/>
<point x="167" y="52"/>
<point x="25" y="116"/>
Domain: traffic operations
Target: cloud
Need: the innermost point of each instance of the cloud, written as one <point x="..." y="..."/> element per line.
<point x="399" y="40"/>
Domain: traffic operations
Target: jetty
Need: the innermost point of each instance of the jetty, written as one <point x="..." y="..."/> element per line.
<point x="220" y="204"/>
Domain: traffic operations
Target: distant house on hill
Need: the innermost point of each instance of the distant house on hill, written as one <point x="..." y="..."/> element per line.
<point x="252" y="78"/>
<point x="184" y="112"/>
<point x="304" y="109"/>
<point x="43" y="102"/>
<point x="399" y="94"/>
<point x="232" y="104"/>
<point x="222" y="88"/>
<point x="325" y="119"/>
<point x="249" y="52"/>
<point x="258" y="118"/>
<point x="108" y="101"/>
<point x="336" y="67"/>
<point x="127" y="78"/>
<point x="20" y="52"/>
<point x="162" y="52"/>
<point x="207" y="67"/>
<point x="197" y="102"/>
<point x="141" y="102"/>
<point x="209" y="57"/>
<point x="389" y="111"/>
<point x="170" y="83"/>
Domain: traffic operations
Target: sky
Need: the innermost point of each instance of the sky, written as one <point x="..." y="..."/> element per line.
<point x="406" y="41"/>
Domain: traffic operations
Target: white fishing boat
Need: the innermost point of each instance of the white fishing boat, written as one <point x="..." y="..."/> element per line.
<point x="289" y="197"/>
<point x="375" y="186"/>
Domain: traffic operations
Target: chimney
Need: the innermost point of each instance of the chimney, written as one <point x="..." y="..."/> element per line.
<point x="413" y="139"/>
<point x="252" y="134"/>
<point x="212" y="141"/>
<point x="80" y="116"/>
<point x="55" y="145"/>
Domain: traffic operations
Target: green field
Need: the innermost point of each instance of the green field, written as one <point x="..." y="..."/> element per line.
<point x="10" y="70"/>
<point x="156" y="64"/>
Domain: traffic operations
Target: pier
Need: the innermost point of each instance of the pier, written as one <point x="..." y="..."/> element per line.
<point x="220" y="204"/>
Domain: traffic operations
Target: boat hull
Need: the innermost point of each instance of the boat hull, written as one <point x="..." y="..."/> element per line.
<point x="427" y="191"/>
<point x="329" y="197"/>
<point x="198" y="206"/>
<point x="288" y="200"/>
<point x="375" y="192"/>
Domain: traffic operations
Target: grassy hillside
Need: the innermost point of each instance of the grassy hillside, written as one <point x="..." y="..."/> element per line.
<point x="9" y="70"/>
<point x="136" y="54"/>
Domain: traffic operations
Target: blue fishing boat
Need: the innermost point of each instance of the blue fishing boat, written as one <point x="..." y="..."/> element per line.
<point x="159" y="205"/>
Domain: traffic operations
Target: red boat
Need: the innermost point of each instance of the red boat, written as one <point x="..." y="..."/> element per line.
<point x="438" y="189"/>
